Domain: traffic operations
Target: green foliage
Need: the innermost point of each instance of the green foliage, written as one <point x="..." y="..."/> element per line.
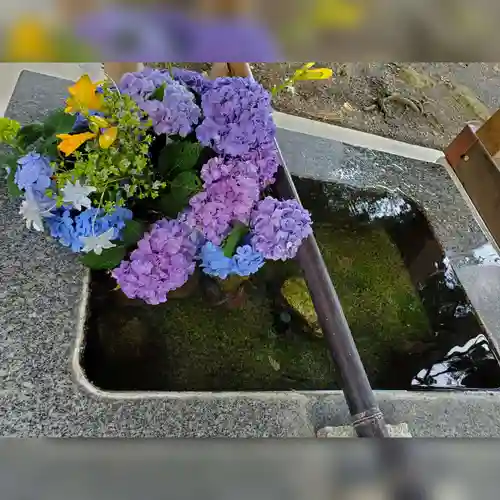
<point x="58" y="122"/>
<point x="30" y="134"/>
<point x="232" y="241"/>
<point x="132" y="232"/>
<point x="123" y="170"/>
<point x="8" y="131"/>
<point x="10" y="164"/>
<point x="159" y="93"/>
<point x="109" y="258"/>
<point x="182" y="188"/>
<point x="178" y="157"/>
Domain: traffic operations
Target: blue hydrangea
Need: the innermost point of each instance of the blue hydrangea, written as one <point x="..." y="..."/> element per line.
<point x="247" y="261"/>
<point x="214" y="262"/>
<point x="34" y="172"/>
<point x="69" y="229"/>
<point x="244" y="263"/>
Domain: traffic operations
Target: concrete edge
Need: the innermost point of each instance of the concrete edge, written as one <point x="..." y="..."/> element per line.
<point x="355" y="137"/>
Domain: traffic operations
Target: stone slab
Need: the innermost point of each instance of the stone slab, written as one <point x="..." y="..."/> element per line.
<point x="42" y="289"/>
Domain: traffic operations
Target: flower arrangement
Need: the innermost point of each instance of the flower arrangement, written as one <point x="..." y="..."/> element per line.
<point x="156" y="175"/>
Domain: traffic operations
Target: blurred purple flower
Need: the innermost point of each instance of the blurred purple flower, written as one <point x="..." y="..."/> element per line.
<point x="279" y="227"/>
<point x="125" y="34"/>
<point x="237" y="117"/>
<point x="162" y="262"/>
<point x="218" y="168"/>
<point x="34" y="172"/>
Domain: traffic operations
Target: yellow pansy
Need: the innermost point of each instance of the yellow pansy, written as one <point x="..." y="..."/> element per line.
<point x="29" y="40"/>
<point x="83" y="96"/>
<point x="70" y="143"/>
<point x="107" y="137"/>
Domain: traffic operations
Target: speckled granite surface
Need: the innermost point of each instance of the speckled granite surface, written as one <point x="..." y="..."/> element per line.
<point x="41" y="290"/>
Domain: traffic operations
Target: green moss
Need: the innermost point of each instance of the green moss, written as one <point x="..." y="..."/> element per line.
<point x="375" y="290"/>
<point x="188" y="344"/>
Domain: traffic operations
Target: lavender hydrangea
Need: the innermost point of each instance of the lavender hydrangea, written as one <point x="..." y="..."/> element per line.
<point x="245" y="262"/>
<point x="34" y="172"/>
<point x="231" y="190"/>
<point x="219" y="168"/>
<point x="192" y="79"/>
<point x="69" y="229"/>
<point x="267" y="162"/>
<point x="279" y="227"/>
<point x="176" y="113"/>
<point x="162" y="262"/>
<point x="237" y="117"/>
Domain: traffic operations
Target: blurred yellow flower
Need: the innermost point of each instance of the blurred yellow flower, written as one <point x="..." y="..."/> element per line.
<point x="28" y="40"/>
<point x="107" y="137"/>
<point x="98" y="121"/>
<point x="83" y="96"/>
<point x="70" y="143"/>
<point x="336" y="14"/>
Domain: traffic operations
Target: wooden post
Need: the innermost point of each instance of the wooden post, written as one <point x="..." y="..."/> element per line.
<point x="472" y="157"/>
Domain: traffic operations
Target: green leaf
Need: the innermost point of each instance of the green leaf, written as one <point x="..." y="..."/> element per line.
<point x="171" y="204"/>
<point x="178" y="157"/>
<point x="239" y="230"/>
<point x="58" y="122"/>
<point x="132" y="232"/>
<point x="109" y="258"/>
<point x="29" y="134"/>
<point x="159" y="93"/>
<point x="187" y="181"/>
<point x="10" y="161"/>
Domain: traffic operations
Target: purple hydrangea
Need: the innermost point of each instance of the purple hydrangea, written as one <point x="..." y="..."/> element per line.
<point x="226" y="198"/>
<point x="245" y="262"/>
<point x="237" y="117"/>
<point x="192" y="79"/>
<point x="219" y="168"/>
<point x="279" y="227"/>
<point x="267" y="162"/>
<point x="176" y="113"/>
<point x="34" y="172"/>
<point x="162" y="262"/>
<point x="69" y="229"/>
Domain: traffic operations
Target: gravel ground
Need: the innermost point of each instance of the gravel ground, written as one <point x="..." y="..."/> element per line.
<point x="419" y="103"/>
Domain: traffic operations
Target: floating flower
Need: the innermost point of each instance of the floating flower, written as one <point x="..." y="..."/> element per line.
<point x="77" y="195"/>
<point x="162" y="262"/>
<point x="267" y="162"/>
<point x="279" y="227"/>
<point x="70" y="230"/>
<point x="34" y="172"/>
<point x="71" y="142"/>
<point x="99" y="243"/>
<point x="214" y="262"/>
<point x="174" y="112"/>
<point x="245" y="262"/>
<point x="237" y="117"/>
<point x="227" y="200"/>
<point x="84" y="97"/>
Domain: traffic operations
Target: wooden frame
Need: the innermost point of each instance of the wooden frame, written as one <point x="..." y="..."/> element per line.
<point x="474" y="158"/>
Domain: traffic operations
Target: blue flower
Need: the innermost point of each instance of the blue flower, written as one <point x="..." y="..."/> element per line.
<point x="34" y="172"/>
<point x="214" y="262"/>
<point x="247" y="261"/>
<point x="69" y="229"/>
<point x="81" y="123"/>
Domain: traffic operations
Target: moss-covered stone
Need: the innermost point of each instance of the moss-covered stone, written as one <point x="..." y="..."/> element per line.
<point x="297" y="295"/>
